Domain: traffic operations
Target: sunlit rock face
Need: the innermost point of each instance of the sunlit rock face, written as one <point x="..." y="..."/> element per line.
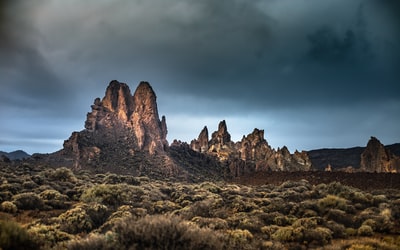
<point x="201" y="144"/>
<point x="120" y="125"/>
<point x="251" y="154"/>
<point x="376" y="158"/>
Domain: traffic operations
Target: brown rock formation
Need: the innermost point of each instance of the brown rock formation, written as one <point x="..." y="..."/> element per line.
<point x="251" y="154"/>
<point x="201" y="144"/>
<point x="119" y="125"/>
<point x="151" y="133"/>
<point x="376" y="158"/>
<point x="221" y="136"/>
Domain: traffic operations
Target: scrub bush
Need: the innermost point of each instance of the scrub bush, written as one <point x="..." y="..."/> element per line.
<point x="8" y="207"/>
<point x="28" y="201"/>
<point x="14" y="237"/>
<point x="165" y="232"/>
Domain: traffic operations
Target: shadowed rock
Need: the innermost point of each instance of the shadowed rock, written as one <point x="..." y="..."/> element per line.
<point x="376" y="158"/>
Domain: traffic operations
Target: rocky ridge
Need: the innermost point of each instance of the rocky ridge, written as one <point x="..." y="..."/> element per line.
<point x="124" y="134"/>
<point x="251" y="154"/>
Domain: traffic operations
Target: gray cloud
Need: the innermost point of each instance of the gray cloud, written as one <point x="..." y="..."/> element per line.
<point x="205" y="59"/>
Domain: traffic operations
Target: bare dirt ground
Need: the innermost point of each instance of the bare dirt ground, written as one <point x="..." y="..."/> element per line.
<point x="364" y="181"/>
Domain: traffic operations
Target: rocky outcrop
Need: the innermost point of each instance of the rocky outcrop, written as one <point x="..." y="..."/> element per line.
<point x="349" y="159"/>
<point x="376" y="158"/>
<point x="201" y="144"/>
<point x="151" y="133"/>
<point x="221" y="136"/>
<point x="251" y="154"/>
<point x="119" y="125"/>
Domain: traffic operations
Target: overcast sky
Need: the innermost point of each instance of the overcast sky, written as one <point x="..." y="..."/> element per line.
<point x="311" y="73"/>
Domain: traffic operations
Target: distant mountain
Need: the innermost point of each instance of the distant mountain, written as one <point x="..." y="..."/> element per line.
<point x="339" y="158"/>
<point x="15" y="155"/>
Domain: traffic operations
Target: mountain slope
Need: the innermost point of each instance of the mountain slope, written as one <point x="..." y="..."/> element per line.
<point x="15" y="155"/>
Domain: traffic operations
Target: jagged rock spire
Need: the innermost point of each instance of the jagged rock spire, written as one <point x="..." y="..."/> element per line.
<point x="150" y="131"/>
<point x="120" y="123"/>
<point x="118" y="99"/>
<point x="201" y="144"/>
<point x="221" y="136"/>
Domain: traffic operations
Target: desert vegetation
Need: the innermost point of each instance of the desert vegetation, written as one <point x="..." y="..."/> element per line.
<point x="47" y="208"/>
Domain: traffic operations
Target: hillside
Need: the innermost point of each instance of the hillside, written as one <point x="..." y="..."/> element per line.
<point x="15" y="155"/>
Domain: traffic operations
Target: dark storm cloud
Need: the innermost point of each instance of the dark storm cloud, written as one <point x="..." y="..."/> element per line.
<point x="27" y="78"/>
<point x="329" y="47"/>
<point x="207" y="60"/>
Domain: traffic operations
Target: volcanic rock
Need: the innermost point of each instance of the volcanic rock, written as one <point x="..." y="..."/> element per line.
<point x="251" y="154"/>
<point x="376" y="158"/>
<point x="221" y="136"/>
<point x="119" y="126"/>
<point x="201" y="144"/>
<point x="151" y="133"/>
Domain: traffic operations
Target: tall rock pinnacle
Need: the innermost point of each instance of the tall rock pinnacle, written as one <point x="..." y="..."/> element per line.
<point x="118" y="99"/>
<point x="221" y="136"/>
<point x="120" y="123"/>
<point x="150" y="132"/>
<point x="201" y="144"/>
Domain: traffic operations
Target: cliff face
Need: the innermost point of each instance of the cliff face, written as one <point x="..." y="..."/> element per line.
<point x="376" y="158"/>
<point x="251" y="154"/>
<point x="120" y="125"/>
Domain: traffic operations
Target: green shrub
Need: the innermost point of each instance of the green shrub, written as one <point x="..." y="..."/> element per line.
<point x="330" y="202"/>
<point x="269" y="230"/>
<point x="113" y="194"/>
<point x="288" y="234"/>
<point x="239" y="239"/>
<point x="350" y="232"/>
<point x="29" y="185"/>
<point x="165" y="232"/>
<point x="200" y="208"/>
<point x="14" y="237"/>
<point x="98" y="214"/>
<point x="54" y="199"/>
<point x="76" y="220"/>
<point x="283" y="220"/>
<point x="48" y="236"/>
<point x="95" y="241"/>
<point x="28" y="201"/>
<point x="5" y="195"/>
<point x="83" y="218"/>
<point x="338" y="230"/>
<point x="366" y="199"/>
<point x="62" y="174"/>
<point x="8" y="207"/>
<point x="13" y="188"/>
<point x="162" y="207"/>
<point x="378" y="199"/>
<point x="307" y="223"/>
<point x="341" y="217"/>
<point x="209" y="186"/>
<point x="365" y="230"/>
<point x="318" y="236"/>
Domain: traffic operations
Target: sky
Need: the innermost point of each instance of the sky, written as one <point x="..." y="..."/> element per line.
<point x="311" y="73"/>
